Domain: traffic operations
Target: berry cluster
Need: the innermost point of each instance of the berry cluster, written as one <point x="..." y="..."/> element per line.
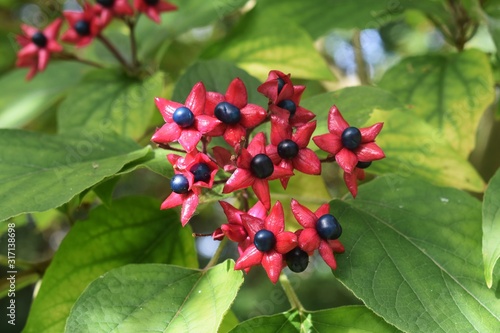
<point x="82" y="28"/>
<point x="250" y="161"/>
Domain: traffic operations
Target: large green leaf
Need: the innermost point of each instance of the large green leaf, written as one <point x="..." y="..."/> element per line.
<point x="451" y="92"/>
<point x="491" y="15"/>
<point x="39" y="171"/>
<point x="260" y="43"/>
<point x="413" y="255"/>
<point x="110" y="100"/>
<point x="345" y="319"/>
<point x="153" y="297"/>
<point x="190" y="14"/>
<point x="355" y="103"/>
<point x="133" y="230"/>
<point x="23" y="101"/>
<point x="491" y="227"/>
<point x="414" y="148"/>
<point x="216" y="76"/>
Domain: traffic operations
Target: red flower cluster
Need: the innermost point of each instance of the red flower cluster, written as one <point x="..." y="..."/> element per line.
<point x="83" y="26"/>
<point x="252" y="162"/>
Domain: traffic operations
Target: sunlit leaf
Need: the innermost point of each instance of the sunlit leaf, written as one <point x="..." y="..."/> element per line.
<point x="413" y="255"/>
<point x="153" y="297"/>
<point x="450" y="92"/>
<point x="132" y="230"/>
<point x="33" y="165"/>
<point x="109" y="100"/>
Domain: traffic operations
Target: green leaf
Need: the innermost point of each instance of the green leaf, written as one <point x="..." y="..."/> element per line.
<point x="260" y="43"/>
<point x="347" y="319"/>
<point x="492" y="17"/>
<point x="23" y="101"/>
<point x="413" y="256"/>
<point x="155" y="160"/>
<point x="109" y="99"/>
<point x="39" y="171"/>
<point x="133" y="230"/>
<point x="450" y="92"/>
<point x="414" y="148"/>
<point x="190" y="14"/>
<point x="319" y="16"/>
<point x="105" y="189"/>
<point x="216" y="76"/>
<point x="153" y="297"/>
<point x="491" y="227"/>
<point x="355" y="103"/>
<point x="228" y="322"/>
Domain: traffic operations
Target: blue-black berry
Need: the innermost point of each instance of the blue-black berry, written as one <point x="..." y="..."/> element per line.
<point x="201" y="172"/>
<point x="151" y="2"/>
<point x="297" y="260"/>
<point x="363" y="165"/>
<point x="288" y="105"/>
<point x="261" y="166"/>
<point x="82" y="27"/>
<point x="288" y="149"/>
<point x="351" y="138"/>
<point x="39" y="39"/>
<point x="281" y="84"/>
<point x="183" y="117"/>
<point x="227" y="113"/>
<point x="264" y="240"/>
<point x="106" y="3"/>
<point x="179" y="184"/>
<point x="328" y="227"/>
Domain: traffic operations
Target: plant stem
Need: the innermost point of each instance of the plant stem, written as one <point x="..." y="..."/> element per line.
<point x="290" y="293"/>
<point x="114" y="51"/>
<point x="217" y="254"/>
<point x="133" y="44"/>
<point x="361" y="68"/>
<point x="168" y="147"/>
<point x="74" y="57"/>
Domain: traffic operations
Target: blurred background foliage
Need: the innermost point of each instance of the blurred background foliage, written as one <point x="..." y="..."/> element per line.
<point x="356" y="43"/>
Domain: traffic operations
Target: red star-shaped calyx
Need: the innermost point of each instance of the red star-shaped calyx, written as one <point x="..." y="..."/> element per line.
<point x="349" y="145"/>
<point x="107" y="9"/>
<point x="185" y="123"/>
<point x="255" y="168"/>
<point x="153" y="8"/>
<point x="84" y="25"/>
<point x="269" y="242"/>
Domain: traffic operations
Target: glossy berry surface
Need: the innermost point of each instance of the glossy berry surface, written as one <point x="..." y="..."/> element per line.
<point x="106" y="3"/>
<point x="261" y="166"/>
<point x="264" y="240"/>
<point x="227" y="113"/>
<point x="363" y="165"/>
<point x="288" y="105"/>
<point x="351" y="137"/>
<point x="151" y="2"/>
<point x="179" y="184"/>
<point x="328" y="227"/>
<point x="183" y="117"/>
<point x="281" y="84"/>
<point x="201" y="172"/>
<point x="297" y="260"/>
<point x="82" y="27"/>
<point x="39" y="39"/>
<point x="288" y="149"/>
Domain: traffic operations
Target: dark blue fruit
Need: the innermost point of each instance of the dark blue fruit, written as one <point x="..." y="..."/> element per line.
<point x="328" y="227"/>
<point x="179" y="184"/>
<point x="227" y="113"/>
<point x="351" y="138"/>
<point x="264" y="240"/>
<point x="281" y="84"/>
<point x="39" y="39"/>
<point x="261" y="166"/>
<point x="201" y="172"/>
<point x="288" y="149"/>
<point x="183" y="117"/>
<point x="82" y="27"/>
<point x="106" y="3"/>
<point x="288" y="105"/>
<point x="363" y="165"/>
<point x="151" y="2"/>
<point x="297" y="260"/>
